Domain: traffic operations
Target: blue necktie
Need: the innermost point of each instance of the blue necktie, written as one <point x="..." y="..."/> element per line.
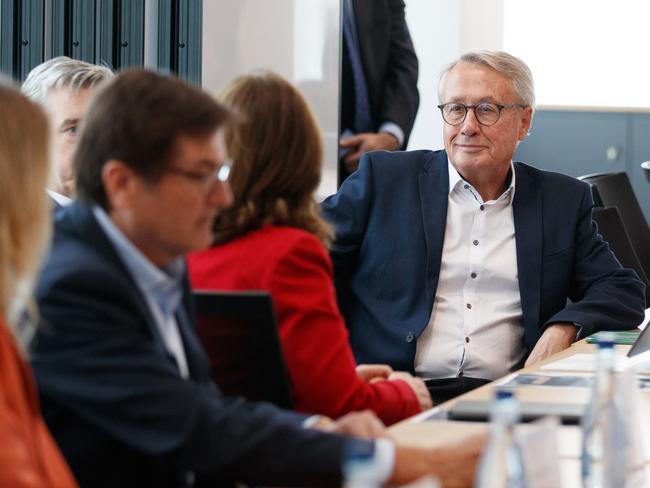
<point x="362" y="120"/>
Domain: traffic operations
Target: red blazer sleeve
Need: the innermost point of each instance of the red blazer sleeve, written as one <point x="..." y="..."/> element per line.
<point x="315" y="341"/>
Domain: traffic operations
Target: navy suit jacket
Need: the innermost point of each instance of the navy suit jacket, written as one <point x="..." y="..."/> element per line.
<point x="115" y="402"/>
<point x="389" y="64"/>
<point x="390" y="219"/>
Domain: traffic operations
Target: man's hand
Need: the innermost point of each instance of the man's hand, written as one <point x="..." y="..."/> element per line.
<point x="359" y="144"/>
<point x="555" y="338"/>
<point x="418" y="387"/>
<point x="454" y="465"/>
<point x="364" y="424"/>
<point x="371" y="373"/>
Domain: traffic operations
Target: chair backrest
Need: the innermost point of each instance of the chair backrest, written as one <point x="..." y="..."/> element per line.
<point x="615" y="190"/>
<point x="610" y="226"/>
<point x="239" y="332"/>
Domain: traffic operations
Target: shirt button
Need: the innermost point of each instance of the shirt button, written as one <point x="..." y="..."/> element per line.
<point x="473" y="275"/>
<point x="482" y="207"/>
<point x="466" y="187"/>
<point x="475" y="242"/>
<point x="466" y="339"/>
<point x="460" y="374"/>
<point x="469" y="305"/>
<point x="410" y="337"/>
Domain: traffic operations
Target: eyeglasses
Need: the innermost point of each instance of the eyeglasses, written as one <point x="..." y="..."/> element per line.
<point x="486" y="113"/>
<point x="208" y="181"/>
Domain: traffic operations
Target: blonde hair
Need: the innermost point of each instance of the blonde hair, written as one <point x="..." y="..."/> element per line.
<point x="24" y="207"/>
<point x="277" y="151"/>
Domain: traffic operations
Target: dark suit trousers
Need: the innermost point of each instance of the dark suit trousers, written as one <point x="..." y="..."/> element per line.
<point x="444" y="389"/>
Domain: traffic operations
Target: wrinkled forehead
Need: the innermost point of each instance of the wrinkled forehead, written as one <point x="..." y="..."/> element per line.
<point x="67" y="103"/>
<point x="474" y="82"/>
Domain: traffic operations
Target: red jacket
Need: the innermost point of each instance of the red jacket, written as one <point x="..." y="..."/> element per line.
<point x="295" y="268"/>
<point x="29" y="457"/>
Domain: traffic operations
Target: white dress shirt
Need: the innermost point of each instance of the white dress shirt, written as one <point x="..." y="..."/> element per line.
<point x="476" y="325"/>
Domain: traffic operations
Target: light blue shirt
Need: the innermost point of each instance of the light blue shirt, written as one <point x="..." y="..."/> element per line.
<point x="161" y="287"/>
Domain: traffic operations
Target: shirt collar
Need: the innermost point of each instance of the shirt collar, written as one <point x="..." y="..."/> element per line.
<point x="162" y="284"/>
<point x="455" y="180"/>
<point x="59" y="198"/>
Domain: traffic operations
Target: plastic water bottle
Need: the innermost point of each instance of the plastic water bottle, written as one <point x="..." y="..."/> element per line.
<point x="359" y="469"/>
<point x="501" y="465"/>
<point x="604" y="439"/>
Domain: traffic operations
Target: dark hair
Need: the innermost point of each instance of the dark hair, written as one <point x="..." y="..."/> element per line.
<point x="277" y="152"/>
<point x="136" y="119"/>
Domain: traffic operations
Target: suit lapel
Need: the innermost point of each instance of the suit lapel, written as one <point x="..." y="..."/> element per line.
<point x="527" y="211"/>
<point x="433" y="183"/>
<point x="90" y="231"/>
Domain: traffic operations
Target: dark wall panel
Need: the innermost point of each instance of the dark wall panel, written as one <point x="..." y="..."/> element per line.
<point x="640" y="152"/>
<point x="577" y="143"/>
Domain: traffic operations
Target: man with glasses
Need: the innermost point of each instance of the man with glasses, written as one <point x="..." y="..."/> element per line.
<point x="124" y="384"/>
<point x="461" y="265"/>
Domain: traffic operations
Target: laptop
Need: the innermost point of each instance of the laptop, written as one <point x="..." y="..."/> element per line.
<point x="239" y="332"/>
<point x="641" y="345"/>
<point x="479" y="411"/>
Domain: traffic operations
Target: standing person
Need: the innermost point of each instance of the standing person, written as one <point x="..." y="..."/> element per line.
<point x="462" y="265"/>
<point x="379" y="94"/>
<point x="29" y="457"/>
<point x="63" y="86"/>
<point x="125" y="384"/>
<point x="273" y="238"/>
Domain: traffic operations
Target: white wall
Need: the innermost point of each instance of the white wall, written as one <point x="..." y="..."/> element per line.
<point x="435" y="30"/>
<point x="583" y="53"/>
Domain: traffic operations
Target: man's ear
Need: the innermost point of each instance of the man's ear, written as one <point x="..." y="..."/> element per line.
<point x="526" y="120"/>
<point x="119" y="183"/>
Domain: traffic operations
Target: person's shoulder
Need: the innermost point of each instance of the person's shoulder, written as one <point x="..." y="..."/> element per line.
<point x="75" y="256"/>
<point x="416" y="157"/>
<point x="397" y="164"/>
<point x="550" y="180"/>
<point x="286" y="240"/>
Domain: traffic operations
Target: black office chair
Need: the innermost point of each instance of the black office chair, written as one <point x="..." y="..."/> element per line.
<point x="610" y="226"/>
<point x="615" y="190"/>
<point x="239" y="332"/>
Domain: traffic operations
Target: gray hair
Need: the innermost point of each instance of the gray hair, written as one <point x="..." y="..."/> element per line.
<point x="63" y="72"/>
<point x="504" y="63"/>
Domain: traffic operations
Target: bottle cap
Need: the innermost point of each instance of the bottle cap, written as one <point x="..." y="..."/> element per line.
<point x="502" y="394"/>
<point x="606" y="340"/>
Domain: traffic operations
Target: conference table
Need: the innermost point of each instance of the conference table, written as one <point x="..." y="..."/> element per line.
<point x="432" y="430"/>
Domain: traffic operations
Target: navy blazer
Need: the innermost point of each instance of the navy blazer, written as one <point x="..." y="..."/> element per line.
<point x="115" y="402"/>
<point x="390" y="66"/>
<point x="390" y="219"/>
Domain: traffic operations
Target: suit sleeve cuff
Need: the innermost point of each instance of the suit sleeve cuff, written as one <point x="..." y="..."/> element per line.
<point x="575" y="324"/>
<point x="393" y="129"/>
<point x="384" y="459"/>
